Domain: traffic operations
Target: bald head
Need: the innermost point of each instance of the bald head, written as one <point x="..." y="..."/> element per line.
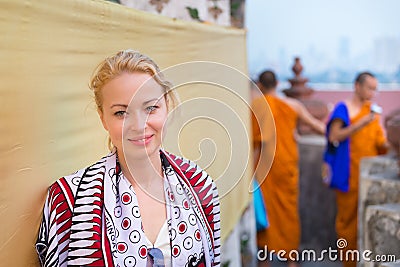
<point x="365" y="86"/>
<point x="268" y="80"/>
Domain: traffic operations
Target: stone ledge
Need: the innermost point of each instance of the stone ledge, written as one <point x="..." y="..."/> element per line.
<point x="379" y="184"/>
<point x="382" y="230"/>
<point x="379" y="167"/>
<point x="311" y="139"/>
<point x="390" y="264"/>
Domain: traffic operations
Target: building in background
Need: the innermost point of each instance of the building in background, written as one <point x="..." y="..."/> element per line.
<point x="221" y="12"/>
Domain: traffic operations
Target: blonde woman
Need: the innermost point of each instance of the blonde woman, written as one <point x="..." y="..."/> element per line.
<point x="139" y="205"/>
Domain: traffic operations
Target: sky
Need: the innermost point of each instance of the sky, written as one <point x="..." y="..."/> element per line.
<point x="323" y="33"/>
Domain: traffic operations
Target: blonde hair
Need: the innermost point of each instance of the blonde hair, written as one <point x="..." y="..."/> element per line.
<point x="129" y="61"/>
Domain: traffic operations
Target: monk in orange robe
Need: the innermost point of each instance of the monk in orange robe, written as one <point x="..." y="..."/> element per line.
<point x="366" y="139"/>
<point x="274" y="122"/>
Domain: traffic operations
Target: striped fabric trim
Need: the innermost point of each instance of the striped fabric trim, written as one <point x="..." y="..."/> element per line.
<point x="85" y="247"/>
<point x="207" y="193"/>
<point x="54" y="251"/>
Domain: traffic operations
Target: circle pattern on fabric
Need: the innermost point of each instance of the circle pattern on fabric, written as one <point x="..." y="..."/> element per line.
<point x="134" y="237"/>
<point x="126" y="198"/>
<point x="130" y="261"/>
<point x="131" y="247"/>
<point x="177" y="212"/>
<point x="192" y="219"/>
<point x="76" y="180"/>
<point x="182" y="227"/>
<point x="126" y="223"/>
<point x="197" y="235"/>
<point x="176" y="250"/>
<point x="136" y="212"/>
<point x="179" y="189"/>
<point x="188" y="243"/>
<point x="122" y="247"/>
<point x="143" y="251"/>
<point x="185" y="204"/>
<point x="118" y="211"/>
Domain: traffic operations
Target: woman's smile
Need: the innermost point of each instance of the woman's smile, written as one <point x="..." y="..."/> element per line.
<point x="141" y="141"/>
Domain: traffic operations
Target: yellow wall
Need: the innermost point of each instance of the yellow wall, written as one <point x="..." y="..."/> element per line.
<point x="49" y="126"/>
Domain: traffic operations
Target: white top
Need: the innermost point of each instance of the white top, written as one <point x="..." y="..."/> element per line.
<point x="162" y="243"/>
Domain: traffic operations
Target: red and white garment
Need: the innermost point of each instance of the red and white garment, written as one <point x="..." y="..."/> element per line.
<point x="92" y="217"/>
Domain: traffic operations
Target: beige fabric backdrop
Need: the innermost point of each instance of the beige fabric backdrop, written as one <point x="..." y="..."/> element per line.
<point x="49" y="126"/>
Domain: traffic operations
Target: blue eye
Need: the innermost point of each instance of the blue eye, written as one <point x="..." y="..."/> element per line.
<point x="120" y="113"/>
<point x="151" y="108"/>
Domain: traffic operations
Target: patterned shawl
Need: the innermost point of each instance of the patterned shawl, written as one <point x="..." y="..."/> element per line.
<point x="91" y="218"/>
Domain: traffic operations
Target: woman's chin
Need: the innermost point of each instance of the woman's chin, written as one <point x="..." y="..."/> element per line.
<point x="142" y="153"/>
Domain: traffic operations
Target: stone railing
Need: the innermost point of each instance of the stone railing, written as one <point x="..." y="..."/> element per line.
<point x="379" y="209"/>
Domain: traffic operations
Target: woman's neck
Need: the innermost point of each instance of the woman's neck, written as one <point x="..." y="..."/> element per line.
<point x="141" y="172"/>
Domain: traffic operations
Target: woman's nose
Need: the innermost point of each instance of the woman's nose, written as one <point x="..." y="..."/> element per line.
<point x="137" y="122"/>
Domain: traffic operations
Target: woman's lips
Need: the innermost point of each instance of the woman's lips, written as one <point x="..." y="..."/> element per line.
<point x="141" y="141"/>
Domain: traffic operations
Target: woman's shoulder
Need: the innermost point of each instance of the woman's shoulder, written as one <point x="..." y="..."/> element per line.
<point x="189" y="169"/>
<point x="66" y="186"/>
<point x="72" y="180"/>
<point x="184" y="164"/>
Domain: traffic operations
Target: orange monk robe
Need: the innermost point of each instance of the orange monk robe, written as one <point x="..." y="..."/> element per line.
<point x="281" y="187"/>
<point x="368" y="141"/>
<point x="264" y="136"/>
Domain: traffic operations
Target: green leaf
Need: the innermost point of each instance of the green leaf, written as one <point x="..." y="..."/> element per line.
<point x="193" y="12"/>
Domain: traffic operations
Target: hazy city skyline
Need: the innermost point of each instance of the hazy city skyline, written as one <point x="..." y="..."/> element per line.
<point x="333" y="39"/>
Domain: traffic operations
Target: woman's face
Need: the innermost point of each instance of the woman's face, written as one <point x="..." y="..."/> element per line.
<point x="134" y="114"/>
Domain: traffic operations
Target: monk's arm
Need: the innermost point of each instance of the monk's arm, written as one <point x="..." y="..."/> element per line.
<point x="381" y="142"/>
<point x="306" y="117"/>
<point x="339" y="133"/>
